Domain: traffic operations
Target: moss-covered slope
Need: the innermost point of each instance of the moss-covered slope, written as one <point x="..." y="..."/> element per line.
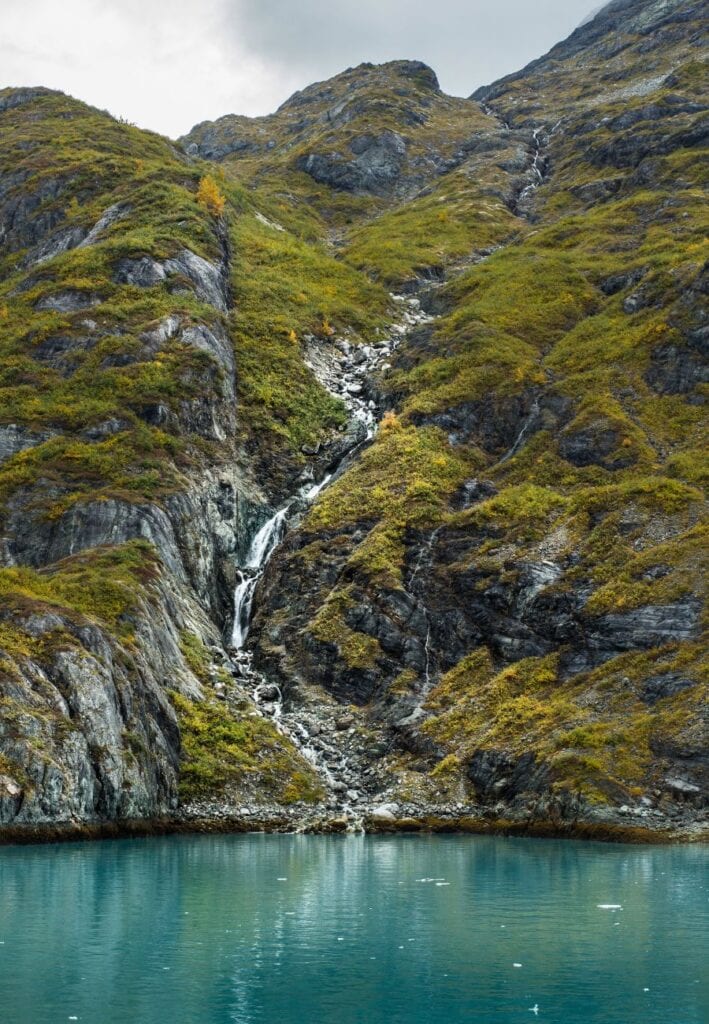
<point x="512" y="576"/>
<point x="151" y="322"/>
<point x="506" y="587"/>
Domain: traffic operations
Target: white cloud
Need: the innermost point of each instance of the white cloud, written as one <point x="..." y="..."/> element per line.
<point x="167" y="64"/>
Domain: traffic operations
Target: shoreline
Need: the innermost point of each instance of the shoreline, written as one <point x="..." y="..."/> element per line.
<point x="146" y="828"/>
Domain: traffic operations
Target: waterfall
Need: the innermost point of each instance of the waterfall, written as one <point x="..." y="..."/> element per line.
<point x="537" y="167"/>
<point x="344" y="371"/>
<point x="529" y="422"/>
<point x="345" y="378"/>
<point x="262" y="547"/>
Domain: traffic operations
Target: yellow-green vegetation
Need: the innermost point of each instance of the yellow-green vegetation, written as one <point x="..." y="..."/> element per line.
<point x="71" y="371"/>
<point x="405" y="478"/>
<point x="357" y="650"/>
<point x="195" y="654"/>
<point x="285" y="288"/>
<point x="594" y="731"/>
<point x="223" y="753"/>
<point x="402" y="482"/>
<point x="446" y="227"/>
<point x="392" y="238"/>
<point x="103" y="584"/>
<point x="210" y="196"/>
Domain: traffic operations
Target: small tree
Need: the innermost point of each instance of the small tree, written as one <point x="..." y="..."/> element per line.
<point x="210" y="196"/>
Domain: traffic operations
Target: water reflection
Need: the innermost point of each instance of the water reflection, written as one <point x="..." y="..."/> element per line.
<point x="284" y="929"/>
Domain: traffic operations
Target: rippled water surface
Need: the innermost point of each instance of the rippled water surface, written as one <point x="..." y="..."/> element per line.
<point x="304" y="929"/>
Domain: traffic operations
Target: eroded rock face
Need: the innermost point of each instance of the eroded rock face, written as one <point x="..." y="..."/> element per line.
<point x="15" y="438"/>
<point x="376" y="166"/>
<point x="27" y="216"/>
<point x="69" y="301"/>
<point x="207" y="280"/>
<point x="99" y="714"/>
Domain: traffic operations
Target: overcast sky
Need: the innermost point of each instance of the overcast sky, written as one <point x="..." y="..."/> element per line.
<point x="167" y="64"/>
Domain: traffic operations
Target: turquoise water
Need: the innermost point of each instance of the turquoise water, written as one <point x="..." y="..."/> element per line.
<point x="353" y="930"/>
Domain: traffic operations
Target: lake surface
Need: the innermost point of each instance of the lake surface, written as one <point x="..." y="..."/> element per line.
<point x="338" y="930"/>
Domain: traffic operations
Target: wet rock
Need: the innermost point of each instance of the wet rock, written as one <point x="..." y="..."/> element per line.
<point x="62" y="241"/>
<point x="474" y="491"/>
<point x="682" y="788"/>
<point x="643" y="628"/>
<point x="64" y="352"/>
<point x="597" y="191"/>
<point x="495" y="774"/>
<point x="215" y="342"/>
<point x="209" y="281"/>
<point x="666" y="685"/>
<point x="28" y="215"/>
<point x="676" y="371"/>
<point x="114" y="213"/>
<point x="594" y="445"/>
<point x="384" y="812"/>
<point x="268" y="692"/>
<point x="619" y="282"/>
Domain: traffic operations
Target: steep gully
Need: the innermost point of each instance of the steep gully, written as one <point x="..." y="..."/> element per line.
<point x="538" y="163"/>
<point x="321" y="731"/>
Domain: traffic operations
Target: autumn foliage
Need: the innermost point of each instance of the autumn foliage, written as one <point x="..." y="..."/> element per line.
<point x="210" y="196"/>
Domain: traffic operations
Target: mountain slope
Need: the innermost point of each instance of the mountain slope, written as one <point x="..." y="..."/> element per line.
<point x="512" y="576"/>
<point x="491" y="611"/>
<point x="127" y="478"/>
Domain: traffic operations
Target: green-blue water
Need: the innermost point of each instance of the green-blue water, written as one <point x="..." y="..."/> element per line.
<point x="308" y="930"/>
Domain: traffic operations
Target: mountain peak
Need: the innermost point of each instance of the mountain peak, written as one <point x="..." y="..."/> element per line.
<point x="364" y="76"/>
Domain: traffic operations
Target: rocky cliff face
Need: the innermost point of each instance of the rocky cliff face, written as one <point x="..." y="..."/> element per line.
<point x="493" y="609"/>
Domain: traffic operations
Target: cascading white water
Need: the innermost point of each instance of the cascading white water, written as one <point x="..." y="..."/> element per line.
<point x="536" y="167"/>
<point x="345" y="383"/>
<point x="344" y="372"/>
<point x="262" y="547"/>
